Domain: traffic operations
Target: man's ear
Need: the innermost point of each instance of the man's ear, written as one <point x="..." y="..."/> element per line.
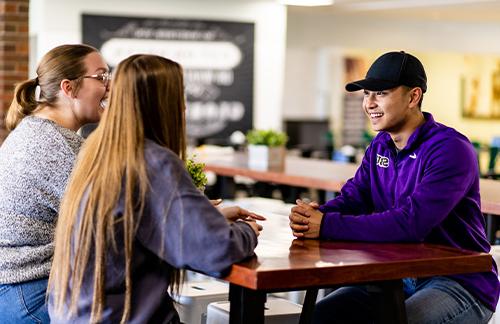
<point x="415" y="95"/>
<point x="67" y="88"/>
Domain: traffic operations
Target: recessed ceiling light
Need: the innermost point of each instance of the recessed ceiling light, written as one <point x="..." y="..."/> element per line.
<point x="306" y="3"/>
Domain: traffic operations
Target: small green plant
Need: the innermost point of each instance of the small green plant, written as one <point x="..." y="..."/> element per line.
<point x="195" y="170"/>
<point x="266" y="137"/>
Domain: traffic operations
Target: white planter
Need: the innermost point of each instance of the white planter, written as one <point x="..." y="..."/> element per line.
<point x="261" y="157"/>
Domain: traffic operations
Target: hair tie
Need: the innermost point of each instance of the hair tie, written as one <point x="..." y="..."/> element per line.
<point x="38" y="90"/>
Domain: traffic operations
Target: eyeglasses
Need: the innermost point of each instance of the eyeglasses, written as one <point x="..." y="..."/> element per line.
<point x="105" y="77"/>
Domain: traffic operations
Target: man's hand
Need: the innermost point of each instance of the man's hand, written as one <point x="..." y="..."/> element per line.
<point x="305" y="220"/>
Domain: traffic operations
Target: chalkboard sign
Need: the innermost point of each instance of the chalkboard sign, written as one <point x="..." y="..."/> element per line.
<point x="217" y="58"/>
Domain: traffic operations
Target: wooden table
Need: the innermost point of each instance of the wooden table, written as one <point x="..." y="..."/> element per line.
<point x="322" y="174"/>
<point x="301" y="172"/>
<point x="283" y="263"/>
<point x="490" y="196"/>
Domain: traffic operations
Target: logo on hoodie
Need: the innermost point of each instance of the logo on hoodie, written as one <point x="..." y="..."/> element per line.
<point x="382" y="161"/>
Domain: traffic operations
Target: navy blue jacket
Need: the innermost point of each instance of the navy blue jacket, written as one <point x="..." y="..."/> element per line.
<point x="179" y="228"/>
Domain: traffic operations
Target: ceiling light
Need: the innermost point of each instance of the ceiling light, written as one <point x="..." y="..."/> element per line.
<point x="306" y="3"/>
<point x="403" y="4"/>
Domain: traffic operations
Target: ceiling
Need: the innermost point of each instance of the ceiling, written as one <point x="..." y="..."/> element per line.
<point x="455" y="10"/>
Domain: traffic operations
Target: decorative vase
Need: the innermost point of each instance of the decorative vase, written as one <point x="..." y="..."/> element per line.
<point x="262" y="157"/>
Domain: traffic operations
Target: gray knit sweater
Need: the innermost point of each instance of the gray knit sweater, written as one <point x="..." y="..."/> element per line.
<point x="36" y="160"/>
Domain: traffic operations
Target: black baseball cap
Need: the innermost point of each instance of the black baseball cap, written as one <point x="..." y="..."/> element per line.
<point x="391" y="70"/>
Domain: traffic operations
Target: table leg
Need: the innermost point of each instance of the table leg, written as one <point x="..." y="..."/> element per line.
<point x="391" y="304"/>
<point x="308" y="306"/>
<point x="491" y="227"/>
<point x="225" y="187"/>
<point x="247" y="305"/>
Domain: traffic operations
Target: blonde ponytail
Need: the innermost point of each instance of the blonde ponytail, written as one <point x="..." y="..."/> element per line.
<point x="23" y="104"/>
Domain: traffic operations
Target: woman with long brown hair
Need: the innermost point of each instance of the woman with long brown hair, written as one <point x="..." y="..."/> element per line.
<point x="36" y="160"/>
<point x="131" y="216"/>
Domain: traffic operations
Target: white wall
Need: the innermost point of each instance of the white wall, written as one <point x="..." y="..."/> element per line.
<point x="55" y="22"/>
<point x="306" y="30"/>
<point x="302" y="89"/>
<point x="438" y="43"/>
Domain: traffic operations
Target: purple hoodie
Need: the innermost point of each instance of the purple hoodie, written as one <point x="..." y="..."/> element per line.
<point x="427" y="192"/>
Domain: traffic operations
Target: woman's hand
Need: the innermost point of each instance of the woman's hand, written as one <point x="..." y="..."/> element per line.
<point x="236" y="213"/>
<point x="256" y="227"/>
<point x="215" y="202"/>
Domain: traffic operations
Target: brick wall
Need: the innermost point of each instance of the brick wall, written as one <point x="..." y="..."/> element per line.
<point x="14" y="52"/>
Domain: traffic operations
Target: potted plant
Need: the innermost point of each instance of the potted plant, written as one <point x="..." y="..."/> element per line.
<point x="266" y="149"/>
<point x="195" y="170"/>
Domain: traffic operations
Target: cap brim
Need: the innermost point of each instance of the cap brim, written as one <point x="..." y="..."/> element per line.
<point x="370" y="84"/>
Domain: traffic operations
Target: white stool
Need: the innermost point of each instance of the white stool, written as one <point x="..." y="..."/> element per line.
<point x="191" y="276"/>
<point x="277" y="311"/>
<point x="297" y="296"/>
<point x="195" y="296"/>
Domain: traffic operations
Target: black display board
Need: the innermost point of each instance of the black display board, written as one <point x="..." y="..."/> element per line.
<point x="217" y="58"/>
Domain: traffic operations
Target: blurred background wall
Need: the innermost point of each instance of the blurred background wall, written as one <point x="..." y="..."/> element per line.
<point x="301" y="54"/>
<point x="54" y="22"/>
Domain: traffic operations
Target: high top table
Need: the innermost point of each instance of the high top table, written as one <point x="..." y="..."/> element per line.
<point x="283" y="263"/>
<point x="301" y="172"/>
<point x="490" y="196"/>
<point x="321" y="174"/>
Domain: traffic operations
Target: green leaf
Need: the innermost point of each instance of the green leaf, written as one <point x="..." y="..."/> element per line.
<point x="266" y="137"/>
<point x="195" y="170"/>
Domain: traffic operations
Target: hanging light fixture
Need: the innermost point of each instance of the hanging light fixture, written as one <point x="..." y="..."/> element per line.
<point x="306" y="3"/>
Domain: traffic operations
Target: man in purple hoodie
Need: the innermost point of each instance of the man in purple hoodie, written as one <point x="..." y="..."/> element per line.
<point x="418" y="182"/>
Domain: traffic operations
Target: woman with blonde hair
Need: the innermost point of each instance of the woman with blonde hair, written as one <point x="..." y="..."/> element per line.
<point x="131" y="216"/>
<point x="36" y="160"/>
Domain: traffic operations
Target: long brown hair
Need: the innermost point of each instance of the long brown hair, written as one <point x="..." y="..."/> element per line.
<point x="62" y="62"/>
<point x="146" y="101"/>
